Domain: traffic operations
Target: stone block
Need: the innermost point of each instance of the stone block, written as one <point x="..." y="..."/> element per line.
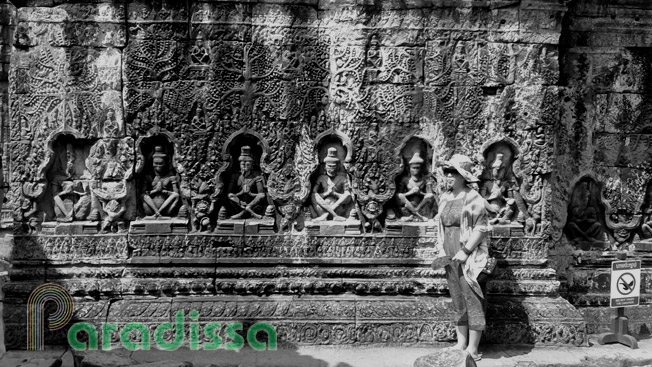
<point x="25" y="361"/>
<point x="446" y="358"/>
<point x="166" y="364"/>
<point x="117" y="358"/>
<point x="259" y="226"/>
<point x="230" y="227"/>
<point x="159" y="226"/>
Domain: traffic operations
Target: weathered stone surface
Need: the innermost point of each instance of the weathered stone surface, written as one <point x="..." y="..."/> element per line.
<point x="31" y="361"/>
<point x="166" y="364"/>
<point x="565" y="87"/>
<point x="448" y="358"/>
<point x="117" y="358"/>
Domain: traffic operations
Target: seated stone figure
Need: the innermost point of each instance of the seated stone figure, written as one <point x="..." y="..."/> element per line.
<point x="247" y="193"/>
<point x="497" y="193"/>
<point x="415" y="192"/>
<point x="71" y="204"/>
<point x="161" y="192"/>
<point x="583" y="221"/>
<point x="331" y="192"/>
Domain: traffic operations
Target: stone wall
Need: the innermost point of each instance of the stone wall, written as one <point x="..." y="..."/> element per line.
<point x="130" y="125"/>
<point x="603" y="154"/>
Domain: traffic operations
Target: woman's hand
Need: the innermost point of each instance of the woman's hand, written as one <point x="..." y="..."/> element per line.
<point x="460" y="257"/>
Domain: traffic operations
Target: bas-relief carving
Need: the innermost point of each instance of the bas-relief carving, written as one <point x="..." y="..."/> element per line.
<point x="161" y="194"/>
<point x="331" y="190"/>
<point x="332" y="206"/>
<point x="252" y="88"/>
<point x="161" y="207"/>
<point x="499" y="185"/>
<point x="415" y="189"/>
<point x="246" y="192"/>
<point x="241" y="186"/>
<point x="646" y="225"/>
<point x="27" y="214"/>
<point x="585" y="221"/>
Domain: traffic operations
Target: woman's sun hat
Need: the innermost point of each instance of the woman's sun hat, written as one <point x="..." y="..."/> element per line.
<point x="463" y="165"/>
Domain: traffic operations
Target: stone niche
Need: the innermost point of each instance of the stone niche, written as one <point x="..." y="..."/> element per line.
<point x="161" y="207"/>
<point x="414" y="205"/>
<point x="252" y="161"/>
<point x="501" y="187"/>
<point x="67" y="199"/>
<point x="332" y="209"/>
<point x="586" y="215"/>
<point x="242" y="202"/>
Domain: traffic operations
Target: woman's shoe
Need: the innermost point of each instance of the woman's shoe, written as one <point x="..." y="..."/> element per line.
<point x="476" y="357"/>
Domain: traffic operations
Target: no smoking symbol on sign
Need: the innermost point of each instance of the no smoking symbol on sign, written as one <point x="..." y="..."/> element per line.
<point x="626" y="283"/>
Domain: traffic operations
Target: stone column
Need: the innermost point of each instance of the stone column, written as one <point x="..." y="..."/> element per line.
<point x="7" y="26"/>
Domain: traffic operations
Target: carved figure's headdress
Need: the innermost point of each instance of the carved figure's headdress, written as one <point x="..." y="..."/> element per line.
<point x="331" y="156"/>
<point x="416" y="159"/>
<point x="159" y="152"/>
<point x="498" y="161"/>
<point x="245" y="154"/>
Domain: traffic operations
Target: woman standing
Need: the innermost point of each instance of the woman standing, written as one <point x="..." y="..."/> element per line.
<point x="463" y="224"/>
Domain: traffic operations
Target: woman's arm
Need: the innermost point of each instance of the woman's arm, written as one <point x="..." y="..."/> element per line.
<point x="479" y="223"/>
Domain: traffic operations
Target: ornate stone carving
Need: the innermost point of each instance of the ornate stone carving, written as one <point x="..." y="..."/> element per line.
<point x="332" y="204"/>
<point x="331" y="192"/>
<point x="27" y="213"/>
<point x="241" y="187"/>
<point x="585" y="221"/>
<point x="383" y="86"/>
<point x="161" y="196"/>
<point x="247" y="193"/>
<point x="161" y="207"/>
<point x="500" y="185"/>
<point x="415" y="202"/>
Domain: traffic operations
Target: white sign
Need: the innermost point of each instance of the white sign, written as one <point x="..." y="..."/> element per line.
<point x="625" y="283"/>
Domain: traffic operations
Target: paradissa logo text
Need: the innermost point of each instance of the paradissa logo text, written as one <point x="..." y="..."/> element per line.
<point x="210" y="340"/>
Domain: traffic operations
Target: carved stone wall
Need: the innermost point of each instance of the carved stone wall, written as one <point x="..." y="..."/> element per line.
<point x="251" y="161"/>
<point x="603" y="179"/>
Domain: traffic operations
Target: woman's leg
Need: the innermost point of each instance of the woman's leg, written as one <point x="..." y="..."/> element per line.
<point x="475" y="307"/>
<point x="474" y="341"/>
<point x="462" y="337"/>
<point x="455" y="277"/>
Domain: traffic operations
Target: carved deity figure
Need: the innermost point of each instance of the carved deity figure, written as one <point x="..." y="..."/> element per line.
<point x="416" y="200"/>
<point x="499" y="193"/>
<point x="161" y="193"/>
<point x="331" y="193"/>
<point x="202" y="203"/>
<point x="113" y="210"/>
<point x="583" y="221"/>
<point x="646" y="228"/>
<point x="69" y="203"/>
<point x="247" y="192"/>
<point x="27" y="213"/>
<point x="282" y="188"/>
<point x="110" y="197"/>
<point x="111" y="127"/>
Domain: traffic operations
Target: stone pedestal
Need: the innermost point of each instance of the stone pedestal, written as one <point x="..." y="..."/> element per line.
<point x="72" y="228"/>
<point x="246" y="226"/>
<point x="159" y="226"/>
<point x="508" y="230"/>
<point x="411" y="229"/>
<point x="333" y="228"/>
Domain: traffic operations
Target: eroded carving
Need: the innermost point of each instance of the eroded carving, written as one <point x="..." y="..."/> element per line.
<point x="161" y="191"/>
<point x="331" y="191"/>
<point x="415" y="189"/>
<point x="584" y="213"/>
